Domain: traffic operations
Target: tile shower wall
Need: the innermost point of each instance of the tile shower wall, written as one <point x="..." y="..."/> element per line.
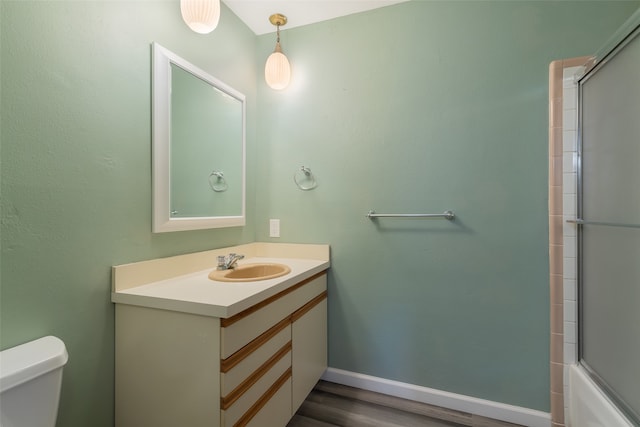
<point x="556" y="244"/>
<point x="569" y="211"/>
<point x="562" y="236"/>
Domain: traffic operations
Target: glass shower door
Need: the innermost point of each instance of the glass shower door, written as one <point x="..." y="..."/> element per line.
<point x="609" y="218"/>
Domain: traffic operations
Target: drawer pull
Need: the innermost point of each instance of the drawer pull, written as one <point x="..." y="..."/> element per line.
<point x="228" y="400"/>
<point x="308" y="306"/>
<point x="227" y="364"/>
<point x="235" y="318"/>
<point x="244" y="420"/>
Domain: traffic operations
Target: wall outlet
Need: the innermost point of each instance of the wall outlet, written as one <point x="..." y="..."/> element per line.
<point x="274" y="228"/>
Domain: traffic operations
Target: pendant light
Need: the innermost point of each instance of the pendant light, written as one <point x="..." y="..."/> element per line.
<point x="201" y="16"/>
<point x="277" y="71"/>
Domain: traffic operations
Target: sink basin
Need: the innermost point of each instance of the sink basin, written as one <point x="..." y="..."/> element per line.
<point x="250" y="272"/>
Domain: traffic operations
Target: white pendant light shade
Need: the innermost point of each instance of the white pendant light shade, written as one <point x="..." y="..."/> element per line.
<point x="277" y="71"/>
<point x="201" y="16"/>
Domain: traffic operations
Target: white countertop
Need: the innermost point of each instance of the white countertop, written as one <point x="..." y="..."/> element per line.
<point x="197" y="294"/>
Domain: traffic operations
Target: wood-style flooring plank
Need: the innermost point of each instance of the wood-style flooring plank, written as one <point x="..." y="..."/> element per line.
<point x="336" y="405"/>
<point x="302" y="421"/>
<point x="457" y="417"/>
<point x="340" y="411"/>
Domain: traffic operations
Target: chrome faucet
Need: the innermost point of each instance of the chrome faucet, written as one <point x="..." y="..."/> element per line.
<point x="228" y="262"/>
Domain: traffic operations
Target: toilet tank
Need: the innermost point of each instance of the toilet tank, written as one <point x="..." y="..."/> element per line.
<point x="30" y="380"/>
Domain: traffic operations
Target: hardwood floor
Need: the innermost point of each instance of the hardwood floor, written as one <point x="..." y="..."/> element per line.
<point x="334" y="405"/>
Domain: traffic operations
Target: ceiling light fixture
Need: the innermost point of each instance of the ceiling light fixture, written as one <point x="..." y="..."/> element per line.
<point x="277" y="71"/>
<point x="201" y="16"/>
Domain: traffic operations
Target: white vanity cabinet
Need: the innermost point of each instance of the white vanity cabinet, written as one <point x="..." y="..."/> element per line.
<point x="254" y="368"/>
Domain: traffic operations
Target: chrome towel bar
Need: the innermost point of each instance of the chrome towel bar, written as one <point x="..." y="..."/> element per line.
<point x="446" y="214"/>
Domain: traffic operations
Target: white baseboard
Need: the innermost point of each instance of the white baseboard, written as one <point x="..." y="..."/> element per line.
<point x="458" y="402"/>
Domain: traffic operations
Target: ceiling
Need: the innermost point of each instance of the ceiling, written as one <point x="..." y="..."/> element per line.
<point x="255" y="13"/>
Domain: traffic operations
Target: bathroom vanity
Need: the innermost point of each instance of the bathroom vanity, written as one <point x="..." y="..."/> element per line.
<point x="191" y="351"/>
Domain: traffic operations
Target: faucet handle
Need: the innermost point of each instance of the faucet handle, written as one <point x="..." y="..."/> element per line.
<point x="221" y="260"/>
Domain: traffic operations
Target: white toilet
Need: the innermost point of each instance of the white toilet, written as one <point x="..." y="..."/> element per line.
<point x="30" y="380"/>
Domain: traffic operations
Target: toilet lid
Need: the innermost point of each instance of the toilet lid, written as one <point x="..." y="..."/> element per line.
<point x="27" y="361"/>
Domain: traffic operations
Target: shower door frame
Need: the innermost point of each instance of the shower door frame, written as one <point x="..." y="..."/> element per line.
<point x="625" y="35"/>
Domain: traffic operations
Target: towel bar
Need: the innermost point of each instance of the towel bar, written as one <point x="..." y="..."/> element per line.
<point x="446" y="214"/>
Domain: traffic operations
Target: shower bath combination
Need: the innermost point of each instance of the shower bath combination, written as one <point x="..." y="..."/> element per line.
<point x="600" y="228"/>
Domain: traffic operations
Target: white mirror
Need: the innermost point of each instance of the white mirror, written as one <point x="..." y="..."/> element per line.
<point x="198" y="147"/>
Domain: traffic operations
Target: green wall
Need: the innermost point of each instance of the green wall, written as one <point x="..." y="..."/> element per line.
<point x="422" y="106"/>
<point x="76" y="170"/>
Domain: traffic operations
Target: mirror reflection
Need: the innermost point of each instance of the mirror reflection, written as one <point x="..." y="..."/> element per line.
<point x="198" y="145"/>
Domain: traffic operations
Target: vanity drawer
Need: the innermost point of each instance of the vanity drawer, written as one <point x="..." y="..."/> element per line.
<point x="239" y="366"/>
<point x="239" y="330"/>
<point x="277" y="410"/>
<point x="238" y="410"/>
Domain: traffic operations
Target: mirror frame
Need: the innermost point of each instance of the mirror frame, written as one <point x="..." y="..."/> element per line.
<point x="161" y="142"/>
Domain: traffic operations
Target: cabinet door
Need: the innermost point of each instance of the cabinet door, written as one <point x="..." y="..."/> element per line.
<point x="309" y="357"/>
